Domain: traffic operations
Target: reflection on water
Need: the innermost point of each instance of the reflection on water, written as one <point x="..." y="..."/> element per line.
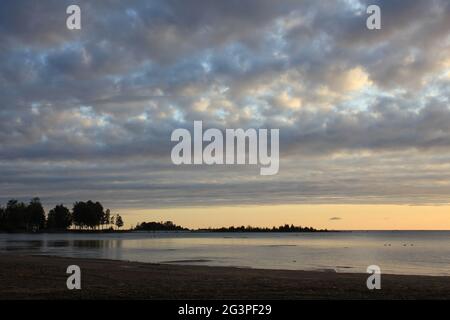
<point x="98" y="244"/>
<point x="408" y="252"/>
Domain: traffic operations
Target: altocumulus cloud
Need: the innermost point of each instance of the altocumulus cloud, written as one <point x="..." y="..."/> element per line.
<point x="364" y="116"/>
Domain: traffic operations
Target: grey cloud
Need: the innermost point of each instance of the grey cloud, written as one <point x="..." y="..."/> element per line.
<point x="91" y="112"/>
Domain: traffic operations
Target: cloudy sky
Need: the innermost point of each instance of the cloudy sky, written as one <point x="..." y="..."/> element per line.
<point x="364" y="115"/>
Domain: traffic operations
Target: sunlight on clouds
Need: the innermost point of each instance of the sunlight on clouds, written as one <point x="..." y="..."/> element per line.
<point x="287" y="101"/>
<point x="201" y="105"/>
<point x="355" y="79"/>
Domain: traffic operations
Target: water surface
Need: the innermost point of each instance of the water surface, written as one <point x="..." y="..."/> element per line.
<point x="397" y="252"/>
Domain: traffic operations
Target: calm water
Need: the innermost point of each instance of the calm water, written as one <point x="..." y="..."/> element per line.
<point x="399" y="252"/>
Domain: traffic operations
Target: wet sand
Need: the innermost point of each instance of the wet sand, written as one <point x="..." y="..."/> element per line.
<point x="41" y="277"/>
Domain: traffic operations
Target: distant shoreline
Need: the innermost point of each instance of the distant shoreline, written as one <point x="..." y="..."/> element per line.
<point x="161" y="231"/>
<point x="150" y="231"/>
<point x="197" y="231"/>
<point x="200" y="231"/>
<point x="44" y="277"/>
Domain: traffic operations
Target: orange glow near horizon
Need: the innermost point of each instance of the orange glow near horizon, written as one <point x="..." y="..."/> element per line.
<point x="337" y="217"/>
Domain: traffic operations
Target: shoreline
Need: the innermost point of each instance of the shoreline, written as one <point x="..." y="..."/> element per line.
<point x="163" y="231"/>
<point x="44" y="277"/>
<point x="208" y="231"/>
<point x="192" y="263"/>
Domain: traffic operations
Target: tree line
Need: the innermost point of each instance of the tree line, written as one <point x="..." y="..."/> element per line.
<point x="170" y="226"/>
<point x="283" y="228"/>
<point x="159" y="226"/>
<point x="19" y="216"/>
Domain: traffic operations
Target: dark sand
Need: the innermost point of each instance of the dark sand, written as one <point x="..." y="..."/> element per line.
<point x="39" y="277"/>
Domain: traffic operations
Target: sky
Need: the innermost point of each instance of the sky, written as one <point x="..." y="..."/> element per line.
<point x="364" y="115"/>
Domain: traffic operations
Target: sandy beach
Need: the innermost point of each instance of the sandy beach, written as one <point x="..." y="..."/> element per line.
<point x="42" y="277"/>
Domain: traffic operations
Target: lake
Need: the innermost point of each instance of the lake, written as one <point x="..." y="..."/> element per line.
<point x="396" y="252"/>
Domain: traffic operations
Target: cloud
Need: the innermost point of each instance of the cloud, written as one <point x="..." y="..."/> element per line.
<point x="364" y="116"/>
<point x="335" y="218"/>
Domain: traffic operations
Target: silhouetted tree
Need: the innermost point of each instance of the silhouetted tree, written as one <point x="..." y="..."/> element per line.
<point x="59" y="218"/>
<point x="35" y="215"/>
<point x="2" y="218"/>
<point x="159" y="226"/>
<point x="18" y="216"/>
<point x="99" y="214"/>
<point x="15" y="215"/>
<point x="119" y="221"/>
<point x="78" y="213"/>
<point x="106" y="218"/>
<point x="87" y="214"/>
